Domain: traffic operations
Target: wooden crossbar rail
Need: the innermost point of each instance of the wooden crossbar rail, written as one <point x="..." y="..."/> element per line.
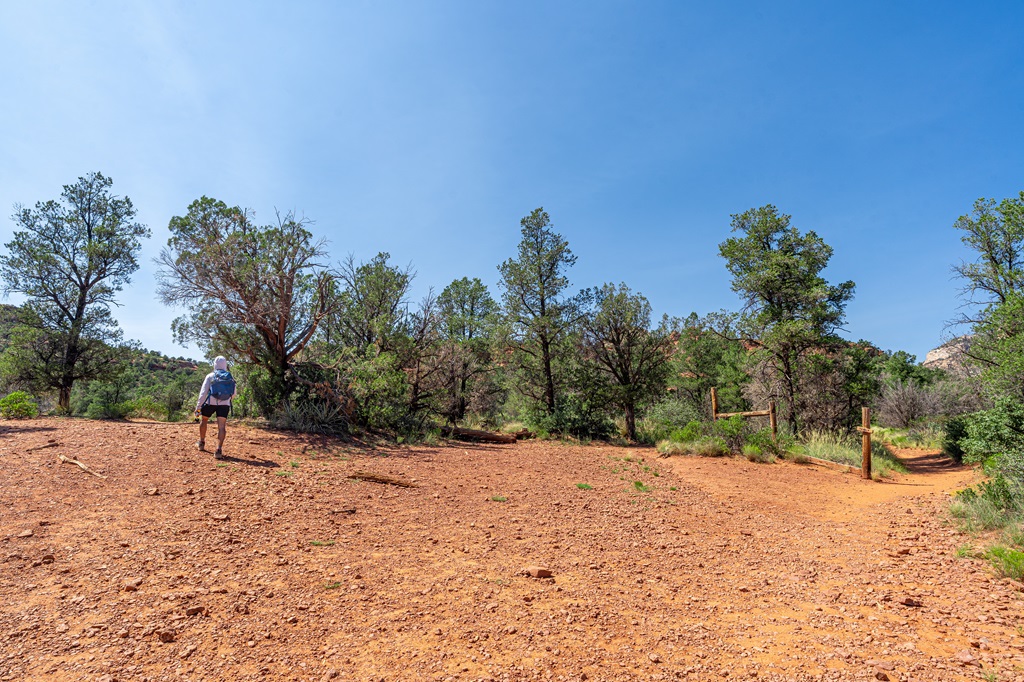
<point x="770" y="413"/>
<point x="759" y="413"/>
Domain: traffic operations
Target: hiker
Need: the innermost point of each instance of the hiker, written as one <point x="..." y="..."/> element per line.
<point x="215" y="399"/>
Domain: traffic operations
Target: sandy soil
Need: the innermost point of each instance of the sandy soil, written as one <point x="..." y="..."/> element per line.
<point x="275" y="565"/>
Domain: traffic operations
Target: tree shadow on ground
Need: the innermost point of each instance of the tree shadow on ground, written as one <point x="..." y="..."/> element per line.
<point x="7" y="431"/>
<point x="265" y="463"/>
<point x="929" y="462"/>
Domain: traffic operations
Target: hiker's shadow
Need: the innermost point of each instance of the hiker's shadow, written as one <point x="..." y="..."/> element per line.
<point x="266" y="463"/>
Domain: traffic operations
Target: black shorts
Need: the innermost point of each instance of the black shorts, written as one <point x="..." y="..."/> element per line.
<point x="219" y="410"/>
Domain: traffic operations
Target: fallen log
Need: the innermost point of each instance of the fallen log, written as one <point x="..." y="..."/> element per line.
<point x="68" y="460"/>
<point x="523" y="434"/>
<point x="480" y="436"/>
<point x="380" y="478"/>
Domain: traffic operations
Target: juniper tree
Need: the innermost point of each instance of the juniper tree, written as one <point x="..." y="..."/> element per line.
<point x="538" y="313"/>
<point x="791" y="312"/>
<point x="633" y="358"/>
<point x="257" y="292"/>
<point x="70" y="258"/>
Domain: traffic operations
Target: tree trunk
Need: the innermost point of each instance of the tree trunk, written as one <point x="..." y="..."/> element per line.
<point x="64" y="399"/>
<point x="549" y="379"/>
<point x="631" y="422"/>
<point x="460" y="409"/>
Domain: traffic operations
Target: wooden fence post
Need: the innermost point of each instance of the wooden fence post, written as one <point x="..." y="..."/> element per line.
<point x="773" y="420"/>
<point x="714" y="404"/>
<point x="865" y="430"/>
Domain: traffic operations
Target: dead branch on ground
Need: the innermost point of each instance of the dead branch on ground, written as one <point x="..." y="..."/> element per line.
<point x="68" y="460"/>
<point x="379" y="478"/>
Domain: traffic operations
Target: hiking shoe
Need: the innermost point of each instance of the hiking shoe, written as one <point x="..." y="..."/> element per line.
<point x="218" y="454"/>
<point x="201" y="445"/>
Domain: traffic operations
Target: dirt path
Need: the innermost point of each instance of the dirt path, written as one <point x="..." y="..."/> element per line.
<point x="177" y="568"/>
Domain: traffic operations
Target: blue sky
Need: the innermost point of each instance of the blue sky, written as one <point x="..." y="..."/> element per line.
<point x="428" y="129"/>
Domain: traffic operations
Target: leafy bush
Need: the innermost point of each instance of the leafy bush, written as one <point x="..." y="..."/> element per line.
<point x="18" y="405"/>
<point x="146" y="407"/>
<point x="576" y="417"/>
<point x="731" y="431"/>
<point x="688" y="433"/>
<point x="661" y="419"/>
<point x="100" y="409"/>
<point x="777" y="446"/>
<point x="954" y="433"/>
<point x="995" y="438"/>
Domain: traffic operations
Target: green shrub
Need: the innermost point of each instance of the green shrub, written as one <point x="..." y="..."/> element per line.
<point x="18" y="405"/>
<point x="669" y="448"/>
<point x="954" y="433"/>
<point x="662" y="419"/>
<point x="732" y="431"/>
<point x="754" y="454"/>
<point x="102" y="409"/>
<point x="689" y="433"/>
<point x="577" y="417"/>
<point x="776" y="446"/>
<point x="146" y="407"/>
<point x="1009" y="562"/>
<point x="710" y="447"/>
<point x="311" y="416"/>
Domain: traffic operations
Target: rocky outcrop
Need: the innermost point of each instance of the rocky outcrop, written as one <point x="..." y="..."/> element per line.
<point x="950" y="356"/>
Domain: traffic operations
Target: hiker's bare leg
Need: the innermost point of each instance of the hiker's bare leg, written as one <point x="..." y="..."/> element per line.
<point x="222" y="431"/>
<point x="202" y="427"/>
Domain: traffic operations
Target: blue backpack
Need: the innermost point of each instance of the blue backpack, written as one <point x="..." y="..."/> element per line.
<point x="222" y="386"/>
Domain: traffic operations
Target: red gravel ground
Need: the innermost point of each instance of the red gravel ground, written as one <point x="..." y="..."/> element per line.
<point x="177" y="567"/>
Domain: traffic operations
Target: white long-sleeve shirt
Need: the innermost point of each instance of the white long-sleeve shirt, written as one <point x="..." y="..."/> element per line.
<point x="204" y="393"/>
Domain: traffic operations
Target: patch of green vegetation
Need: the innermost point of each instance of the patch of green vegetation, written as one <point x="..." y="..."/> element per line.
<point x="753" y="453"/>
<point x="673" y="488"/>
<point x="221" y="465"/>
<point x="847" y="450"/>
<point x="332" y="586"/>
<point x="322" y="543"/>
<point x="18" y="405"/>
<point x="284" y="473"/>
<point x="640" y="487"/>
<point x="929" y="436"/>
<point x="584" y="486"/>
<point x="1009" y="562"/>
<point x="712" y="446"/>
<point x="965" y="551"/>
<point x="988" y="506"/>
<point x="499" y="498"/>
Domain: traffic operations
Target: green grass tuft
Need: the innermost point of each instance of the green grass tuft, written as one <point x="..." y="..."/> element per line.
<point x="584" y="486"/>
<point x="1009" y="562"/>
